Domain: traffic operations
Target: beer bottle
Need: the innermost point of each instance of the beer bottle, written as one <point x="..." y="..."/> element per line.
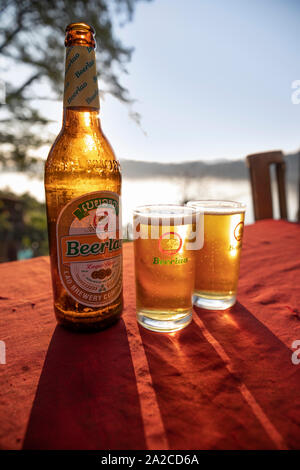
<point x="83" y="188"/>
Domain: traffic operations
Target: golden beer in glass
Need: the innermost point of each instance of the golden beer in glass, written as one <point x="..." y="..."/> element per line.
<point x="218" y="262"/>
<point x="164" y="250"/>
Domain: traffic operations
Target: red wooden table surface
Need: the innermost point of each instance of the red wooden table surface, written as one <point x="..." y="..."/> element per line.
<point x="225" y="382"/>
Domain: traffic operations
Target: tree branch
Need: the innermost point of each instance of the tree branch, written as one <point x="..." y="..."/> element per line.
<point x="28" y="82"/>
<point x="20" y="26"/>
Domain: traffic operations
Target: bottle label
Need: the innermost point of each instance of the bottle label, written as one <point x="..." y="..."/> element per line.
<point x="81" y="84"/>
<point x="89" y="248"/>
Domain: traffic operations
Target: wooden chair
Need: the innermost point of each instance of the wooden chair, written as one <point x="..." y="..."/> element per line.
<point x="259" y="168"/>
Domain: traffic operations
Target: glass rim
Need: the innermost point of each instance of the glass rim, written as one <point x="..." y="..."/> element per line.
<point x="165" y="210"/>
<point x="218" y="205"/>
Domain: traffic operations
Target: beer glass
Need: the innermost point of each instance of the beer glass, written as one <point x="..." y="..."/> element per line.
<point x="165" y="243"/>
<point x="218" y="262"/>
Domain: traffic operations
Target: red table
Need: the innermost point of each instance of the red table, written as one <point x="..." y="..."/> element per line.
<point x="225" y="382"/>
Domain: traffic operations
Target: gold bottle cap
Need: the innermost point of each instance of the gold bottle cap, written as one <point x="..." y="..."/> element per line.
<point x="80" y="27"/>
<point x="80" y="34"/>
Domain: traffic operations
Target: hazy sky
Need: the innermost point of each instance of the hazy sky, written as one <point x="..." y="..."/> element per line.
<point x="213" y="79"/>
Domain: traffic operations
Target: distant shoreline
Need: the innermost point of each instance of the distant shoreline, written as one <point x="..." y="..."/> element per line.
<point x="223" y="169"/>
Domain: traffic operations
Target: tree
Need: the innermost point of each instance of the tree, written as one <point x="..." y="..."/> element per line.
<point x="23" y="226"/>
<point x="31" y="46"/>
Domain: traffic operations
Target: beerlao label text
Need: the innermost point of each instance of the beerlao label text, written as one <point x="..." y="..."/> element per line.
<point x="89" y="248"/>
<point x="81" y="84"/>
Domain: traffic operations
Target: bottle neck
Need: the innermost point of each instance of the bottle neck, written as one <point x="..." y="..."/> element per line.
<point x="81" y="85"/>
<point x="79" y="119"/>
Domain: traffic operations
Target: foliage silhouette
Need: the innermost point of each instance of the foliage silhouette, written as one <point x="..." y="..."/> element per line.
<point x="31" y="47"/>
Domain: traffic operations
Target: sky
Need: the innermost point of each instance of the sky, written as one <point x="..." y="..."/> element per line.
<point x="212" y="79"/>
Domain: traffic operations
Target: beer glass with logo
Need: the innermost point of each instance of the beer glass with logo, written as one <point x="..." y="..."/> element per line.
<point x="218" y="262"/>
<point x="166" y="238"/>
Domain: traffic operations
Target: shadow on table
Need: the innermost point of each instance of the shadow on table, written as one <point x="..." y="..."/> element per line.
<point x="200" y="399"/>
<point x="86" y="396"/>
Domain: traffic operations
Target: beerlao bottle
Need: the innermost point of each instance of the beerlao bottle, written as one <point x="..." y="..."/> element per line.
<point x="83" y="188"/>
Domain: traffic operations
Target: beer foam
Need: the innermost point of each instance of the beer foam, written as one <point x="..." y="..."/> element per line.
<point x="166" y="215"/>
<point x="211" y="207"/>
